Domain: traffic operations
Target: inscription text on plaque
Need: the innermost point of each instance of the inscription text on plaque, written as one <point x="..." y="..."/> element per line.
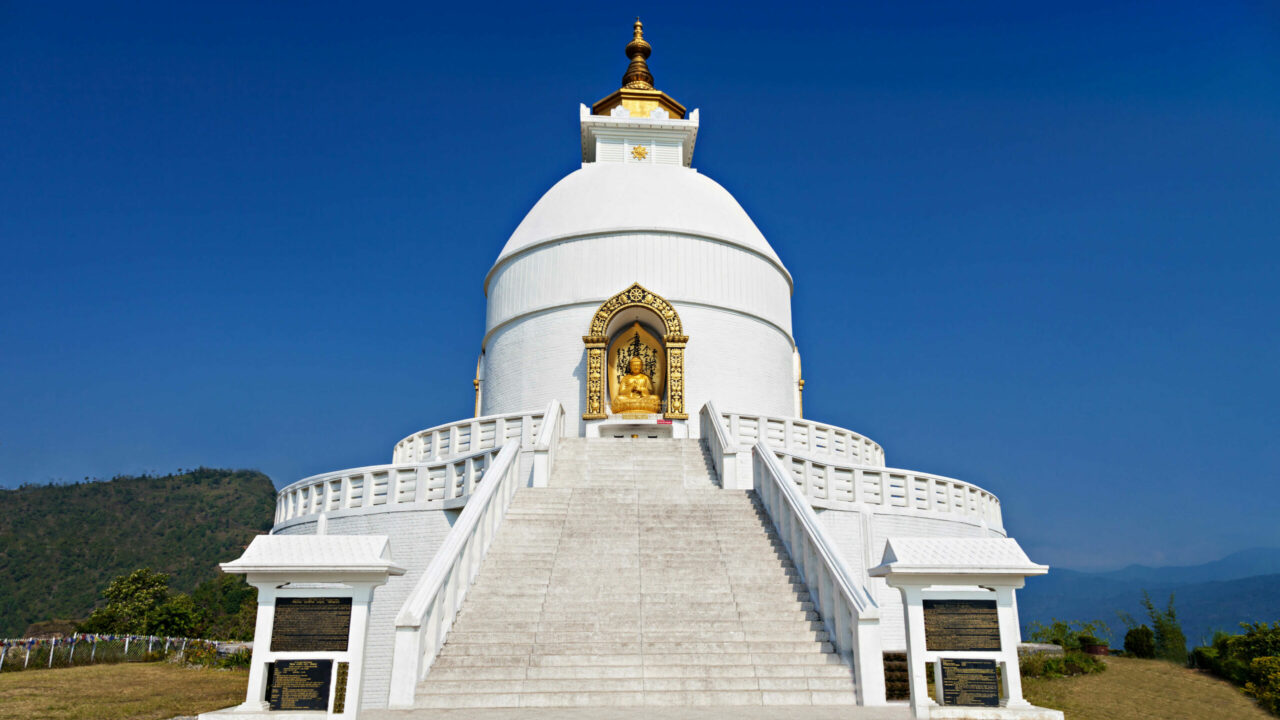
<point x="964" y="625"/>
<point x="311" y="624"/>
<point x="970" y="682"/>
<point x="299" y="684"/>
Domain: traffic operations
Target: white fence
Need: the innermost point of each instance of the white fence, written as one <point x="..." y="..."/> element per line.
<point x="848" y="611"/>
<point x="427" y="615"/>
<point x="468" y="436"/>
<point x="829" y="478"/>
<point x="828" y="484"/>
<point x="803" y="436"/>
<point x="401" y="486"/>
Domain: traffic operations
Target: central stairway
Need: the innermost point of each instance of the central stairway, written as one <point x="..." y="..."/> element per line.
<point x="634" y="580"/>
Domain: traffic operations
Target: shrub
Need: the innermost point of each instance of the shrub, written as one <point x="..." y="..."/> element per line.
<point x="1140" y="642"/>
<point x="1068" y="634"/>
<point x="1070" y="663"/>
<point x="1264" y="683"/>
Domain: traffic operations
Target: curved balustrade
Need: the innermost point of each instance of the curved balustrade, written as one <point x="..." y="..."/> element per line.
<point x="848" y="610"/>
<point x="804" y="436"/>
<point x="467" y="436"/>
<point x="399" y="486"/>
<point x="428" y="613"/>
<point x="828" y="484"/>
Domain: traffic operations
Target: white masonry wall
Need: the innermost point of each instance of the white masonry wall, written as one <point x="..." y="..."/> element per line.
<point x="862" y="547"/>
<point x="415" y="538"/>
<point x="735" y="360"/>
<point x="734" y="305"/>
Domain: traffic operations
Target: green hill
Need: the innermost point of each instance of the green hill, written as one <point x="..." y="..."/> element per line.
<point x="61" y="544"/>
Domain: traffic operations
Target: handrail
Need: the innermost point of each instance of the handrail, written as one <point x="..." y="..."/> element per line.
<point x="836" y="484"/>
<point x="544" y="451"/>
<point x="464" y="436"/>
<point x="398" y="486"/>
<point x="725" y="452"/>
<point x="798" y="434"/>
<point x="428" y="613"/>
<point x="848" y="610"/>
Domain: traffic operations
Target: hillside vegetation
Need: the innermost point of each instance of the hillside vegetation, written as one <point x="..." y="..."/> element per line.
<point x="1143" y="690"/>
<point x="60" y="545"/>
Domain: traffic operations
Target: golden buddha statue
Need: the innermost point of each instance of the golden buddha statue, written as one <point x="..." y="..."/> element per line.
<point x="635" y="391"/>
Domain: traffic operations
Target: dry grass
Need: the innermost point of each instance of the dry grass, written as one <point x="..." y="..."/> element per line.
<point x="127" y="691"/>
<point x="1141" y="690"/>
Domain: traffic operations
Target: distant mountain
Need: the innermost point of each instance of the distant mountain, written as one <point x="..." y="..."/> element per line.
<point x="1241" y="587"/>
<point x="1243" y="564"/>
<point x="61" y="544"/>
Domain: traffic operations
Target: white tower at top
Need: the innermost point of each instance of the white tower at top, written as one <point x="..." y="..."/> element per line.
<point x="713" y="302"/>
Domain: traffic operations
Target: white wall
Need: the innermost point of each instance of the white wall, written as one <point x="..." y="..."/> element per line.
<point x="862" y="547"/>
<point x="736" y="360"/>
<point x="734" y="304"/>
<point x="415" y="538"/>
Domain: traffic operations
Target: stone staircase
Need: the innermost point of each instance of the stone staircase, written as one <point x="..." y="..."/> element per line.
<point x="634" y="580"/>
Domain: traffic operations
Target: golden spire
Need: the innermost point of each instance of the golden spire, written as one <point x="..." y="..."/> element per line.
<point x="638" y="76"/>
<point x="637" y="94"/>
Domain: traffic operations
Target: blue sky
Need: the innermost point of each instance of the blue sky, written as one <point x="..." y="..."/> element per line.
<point x="1034" y="244"/>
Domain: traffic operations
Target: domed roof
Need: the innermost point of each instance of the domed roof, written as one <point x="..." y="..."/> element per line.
<point x="617" y="197"/>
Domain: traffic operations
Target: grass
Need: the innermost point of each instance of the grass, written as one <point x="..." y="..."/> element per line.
<point x="1140" y="690"/>
<point x="128" y="691"/>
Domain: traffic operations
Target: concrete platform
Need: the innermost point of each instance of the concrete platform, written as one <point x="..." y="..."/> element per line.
<point x="770" y="712"/>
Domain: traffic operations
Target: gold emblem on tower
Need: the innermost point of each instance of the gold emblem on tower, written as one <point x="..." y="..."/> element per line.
<point x="639" y="152"/>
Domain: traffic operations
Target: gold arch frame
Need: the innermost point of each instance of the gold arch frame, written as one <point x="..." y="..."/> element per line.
<point x="673" y="340"/>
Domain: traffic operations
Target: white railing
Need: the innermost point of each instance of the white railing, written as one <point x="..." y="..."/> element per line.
<point x="428" y="613"/>
<point x="803" y="436"/>
<point x="830" y="485"/>
<point x="848" y="611"/>
<point x="834" y="482"/>
<point x="544" y="450"/>
<point x="400" y="486"/>
<point x="467" y="436"/>
<point x="732" y="461"/>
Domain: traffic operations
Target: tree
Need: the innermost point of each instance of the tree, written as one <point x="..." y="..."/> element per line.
<point x="1140" y="642"/>
<point x="177" y="616"/>
<point x="1170" y="643"/>
<point x="130" y="599"/>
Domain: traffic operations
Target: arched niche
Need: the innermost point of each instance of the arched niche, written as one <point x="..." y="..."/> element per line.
<point x="634" y="305"/>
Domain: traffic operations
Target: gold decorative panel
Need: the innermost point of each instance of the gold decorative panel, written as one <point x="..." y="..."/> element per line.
<point x="660" y="370"/>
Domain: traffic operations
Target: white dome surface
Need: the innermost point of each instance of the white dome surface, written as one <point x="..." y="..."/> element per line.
<point x="613" y="197"/>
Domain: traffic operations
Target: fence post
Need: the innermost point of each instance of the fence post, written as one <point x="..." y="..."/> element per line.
<point x="94" y="651"/>
<point x="3" y="652"/>
<point x="150" y="641"/>
<point x="71" y="657"/>
<point x="126" y="647"/>
<point x="52" y="647"/>
<point x="27" y="659"/>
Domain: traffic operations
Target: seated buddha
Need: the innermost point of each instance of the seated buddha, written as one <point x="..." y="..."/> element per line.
<point x="635" y="391"/>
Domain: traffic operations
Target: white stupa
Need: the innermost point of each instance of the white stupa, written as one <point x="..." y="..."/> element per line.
<point x="639" y="513"/>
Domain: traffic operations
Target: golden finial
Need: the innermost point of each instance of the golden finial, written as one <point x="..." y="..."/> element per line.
<point x="638" y="76"/>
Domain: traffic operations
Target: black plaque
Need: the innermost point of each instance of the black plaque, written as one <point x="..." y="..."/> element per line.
<point x="311" y="624"/>
<point x="970" y="682"/>
<point x="299" y="684"/>
<point x="965" y="625"/>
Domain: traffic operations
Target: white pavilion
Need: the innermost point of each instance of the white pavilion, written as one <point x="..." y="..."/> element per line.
<point x="639" y="514"/>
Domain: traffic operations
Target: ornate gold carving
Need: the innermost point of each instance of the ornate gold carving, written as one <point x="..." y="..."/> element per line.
<point x="673" y="339"/>
<point x="635" y="295"/>
<point x="639" y="152"/>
